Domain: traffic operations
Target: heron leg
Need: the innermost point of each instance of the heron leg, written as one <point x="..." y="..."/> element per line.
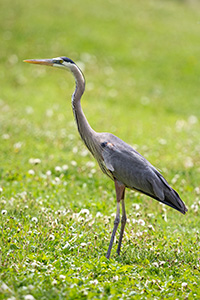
<point x="119" y="188"/>
<point x="123" y="223"/>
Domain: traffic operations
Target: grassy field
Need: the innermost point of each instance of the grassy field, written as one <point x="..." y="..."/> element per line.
<point x="141" y="61"/>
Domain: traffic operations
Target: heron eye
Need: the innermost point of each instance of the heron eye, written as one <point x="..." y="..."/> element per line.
<point x="57" y="61"/>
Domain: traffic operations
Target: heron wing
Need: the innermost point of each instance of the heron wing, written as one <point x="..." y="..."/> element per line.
<point x="130" y="168"/>
<point x="135" y="172"/>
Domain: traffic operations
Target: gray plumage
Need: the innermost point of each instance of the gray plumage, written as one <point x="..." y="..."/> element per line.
<point x="135" y="172"/>
<point x="124" y="165"/>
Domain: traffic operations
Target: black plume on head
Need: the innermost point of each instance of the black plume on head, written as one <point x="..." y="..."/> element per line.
<point x="67" y="59"/>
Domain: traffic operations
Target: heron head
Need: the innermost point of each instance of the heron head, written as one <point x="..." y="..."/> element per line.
<point x="60" y="62"/>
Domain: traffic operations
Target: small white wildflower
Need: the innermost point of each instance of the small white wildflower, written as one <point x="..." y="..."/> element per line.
<point x="91" y="223"/>
<point x="5" y="136"/>
<point x="1" y="189"/>
<point x="34" y="161"/>
<point x="155" y="264"/>
<point x="184" y="284"/>
<point x="84" y="185"/>
<point x="31" y="161"/>
<point x="134" y="221"/>
<point x="73" y="163"/>
<point x="192" y="120"/>
<point x="49" y="113"/>
<point x="48" y="173"/>
<point x="180" y="124"/>
<point x="151" y="227"/>
<point x="31" y="172"/>
<point x="75" y="150"/>
<point x="37" y="161"/>
<point x="29" y="110"/>
<point x="29" y="297"/>
<point x="85" y="211"/>
<point x="51" y="237"/>
<point x="98" y="214"/>
<point x="161" y="263"/>
<point x="139" y="233"/>
<point x="83" y="245"/>
<point x="93" y="171"/>
<point x="188" y="163"/>
<point x="17" y="146"/>
<point x="195" y="207"/>
<point x="34" y="264"/>
<point x="153" y="281"/>
<point x="75" y="216"/>
<point x="90" y="164"/>
<point x="136" y="206"/>
<point x="164" y="216"/>
<point x="57" y="180"/>
<point x="66" y="245"/>
<point x="4" y="287"/>
<point x="116" y="278"/>
<point x="54" y="282"/>
<point x="23" y="195"/>
<point x="62" y="277"/>
<point x="71" y="136"/>
<point x="4" y="212"/>
<point x="54" y="223"/>
<point x="65" y="167"/>
<point x="162" y="141"/>
<point x="150" y="215"/>
<point x="35" y="220"/>
<point x="176" y="177"/>
<point x="128" y="220"/>
<point x="95" y="282"/>
<point x="197" y="190"/>
<point x="58" y="169"/>
<point x="141" y="222"/>
<point x="106" y="219"/>
<point x="84" y="152"/>
<point x="81" y="219"/>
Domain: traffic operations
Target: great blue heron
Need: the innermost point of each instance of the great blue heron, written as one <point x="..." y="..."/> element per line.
<point x="124" y="165"/>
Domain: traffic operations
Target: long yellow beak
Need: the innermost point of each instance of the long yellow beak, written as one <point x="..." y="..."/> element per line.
<point x="48" y="62"/>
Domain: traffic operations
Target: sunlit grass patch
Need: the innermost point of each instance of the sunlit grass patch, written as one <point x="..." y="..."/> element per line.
<point x="141" y="63"/>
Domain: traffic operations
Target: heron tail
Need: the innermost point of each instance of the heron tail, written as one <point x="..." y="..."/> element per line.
<point x="167" y="195"/>
<point x="173" y="199"/>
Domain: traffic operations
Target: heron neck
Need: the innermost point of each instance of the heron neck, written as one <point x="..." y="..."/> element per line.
<point x="84" y="128"/>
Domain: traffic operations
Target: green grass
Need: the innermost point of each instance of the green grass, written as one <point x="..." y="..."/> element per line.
<point x="142" y="64"/>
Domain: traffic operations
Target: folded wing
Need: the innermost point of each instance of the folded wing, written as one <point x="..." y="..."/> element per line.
<point x="135" y="172"/>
